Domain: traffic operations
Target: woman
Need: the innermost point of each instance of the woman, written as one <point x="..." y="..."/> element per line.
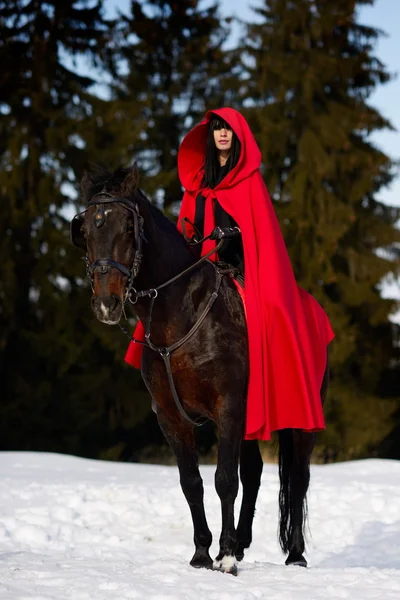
<point x="288" y="331"/>
<point x="222" y="155"/>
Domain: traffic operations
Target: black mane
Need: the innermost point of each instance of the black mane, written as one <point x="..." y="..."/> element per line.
<point x="101" y="178"/>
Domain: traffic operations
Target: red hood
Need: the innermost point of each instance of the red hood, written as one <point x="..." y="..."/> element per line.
<point x="191" y="154"/>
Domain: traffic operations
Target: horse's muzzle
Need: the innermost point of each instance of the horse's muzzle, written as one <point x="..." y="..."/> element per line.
<point x="108" y="309"/>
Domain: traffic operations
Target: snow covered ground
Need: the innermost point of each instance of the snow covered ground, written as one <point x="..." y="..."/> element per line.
<point x="78" y="529"/>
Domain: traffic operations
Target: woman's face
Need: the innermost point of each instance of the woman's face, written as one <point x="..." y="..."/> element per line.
<point x="223" y="139"/>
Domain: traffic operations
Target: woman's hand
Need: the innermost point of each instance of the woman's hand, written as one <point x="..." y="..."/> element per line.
<point x="220" y="233"/>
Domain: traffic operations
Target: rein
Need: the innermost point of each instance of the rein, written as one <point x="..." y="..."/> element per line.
<point x="173" y="279"/>
<point x="104" y="264"/>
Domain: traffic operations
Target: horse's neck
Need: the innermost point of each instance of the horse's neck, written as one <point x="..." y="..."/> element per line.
<point x="165" y="255"/>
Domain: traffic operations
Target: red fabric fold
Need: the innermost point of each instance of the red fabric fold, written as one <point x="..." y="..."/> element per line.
<point x="134" y="352"/>
<point x="288" y="331"/>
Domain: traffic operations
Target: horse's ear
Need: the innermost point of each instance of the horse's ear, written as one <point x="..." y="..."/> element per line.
<point x="86" y="183"/>
<point x="130" y="183"/>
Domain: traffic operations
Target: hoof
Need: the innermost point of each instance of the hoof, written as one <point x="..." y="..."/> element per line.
<point x="239" y="555"/>
<point x="226" y="564"/>
<point x="201" y="560"/>
<point x="296" y="559"/>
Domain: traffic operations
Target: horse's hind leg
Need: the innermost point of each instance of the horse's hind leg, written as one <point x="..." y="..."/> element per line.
<point x="251" y="466"/>
<point x="295" y="448"/>
<point x="180" y="436"/>
<point x="230" y="428"/>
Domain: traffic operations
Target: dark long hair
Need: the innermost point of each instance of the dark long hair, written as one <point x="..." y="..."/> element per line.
<point x="212" y="167"/>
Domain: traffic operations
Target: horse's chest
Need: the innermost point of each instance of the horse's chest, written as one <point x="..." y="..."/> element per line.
<point x="192" y="378"/>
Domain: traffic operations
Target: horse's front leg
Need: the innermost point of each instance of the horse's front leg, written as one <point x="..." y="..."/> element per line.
<point x="230" y="429"/>
<point x="251" y="466"/>
<point x="180" y="436"/>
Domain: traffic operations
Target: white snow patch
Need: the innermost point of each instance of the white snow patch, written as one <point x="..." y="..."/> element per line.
<point x="78" y="529"/>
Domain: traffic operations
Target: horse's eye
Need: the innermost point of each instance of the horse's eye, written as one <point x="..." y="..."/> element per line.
<point x="83" y="231"/>
<point x="130" y="227"/>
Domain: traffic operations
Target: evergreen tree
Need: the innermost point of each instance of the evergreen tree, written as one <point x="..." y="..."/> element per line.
<point x="61" y="382"/>
<point x="311" y="70"/>
<point x="175" y="70"/>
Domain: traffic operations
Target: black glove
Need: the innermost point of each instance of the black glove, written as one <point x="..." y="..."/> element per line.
<point x="220" y="233"/>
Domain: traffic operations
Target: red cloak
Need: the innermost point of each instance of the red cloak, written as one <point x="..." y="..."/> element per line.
<point x="288" y="331"/>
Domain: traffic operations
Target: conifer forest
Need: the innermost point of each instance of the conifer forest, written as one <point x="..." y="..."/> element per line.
<point x="79" y="89"/>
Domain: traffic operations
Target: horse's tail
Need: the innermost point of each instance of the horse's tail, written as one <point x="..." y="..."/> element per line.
<point x="295" y="449"/>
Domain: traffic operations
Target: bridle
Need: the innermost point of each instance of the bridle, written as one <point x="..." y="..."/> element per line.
<point x="102" y="265"/>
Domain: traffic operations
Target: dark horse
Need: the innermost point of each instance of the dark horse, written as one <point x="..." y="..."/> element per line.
<point x="131" y="250"/>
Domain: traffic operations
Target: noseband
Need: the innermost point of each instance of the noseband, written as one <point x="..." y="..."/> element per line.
<point x="102" y="265"/>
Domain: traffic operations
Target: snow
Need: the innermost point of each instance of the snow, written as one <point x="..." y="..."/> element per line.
<point x="72" y="528"/>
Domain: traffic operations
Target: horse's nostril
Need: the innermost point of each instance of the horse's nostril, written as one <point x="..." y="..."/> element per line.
<point x="94" y="301"/>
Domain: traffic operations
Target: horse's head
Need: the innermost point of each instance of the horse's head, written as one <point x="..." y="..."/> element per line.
<point x="110" y="231"/>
